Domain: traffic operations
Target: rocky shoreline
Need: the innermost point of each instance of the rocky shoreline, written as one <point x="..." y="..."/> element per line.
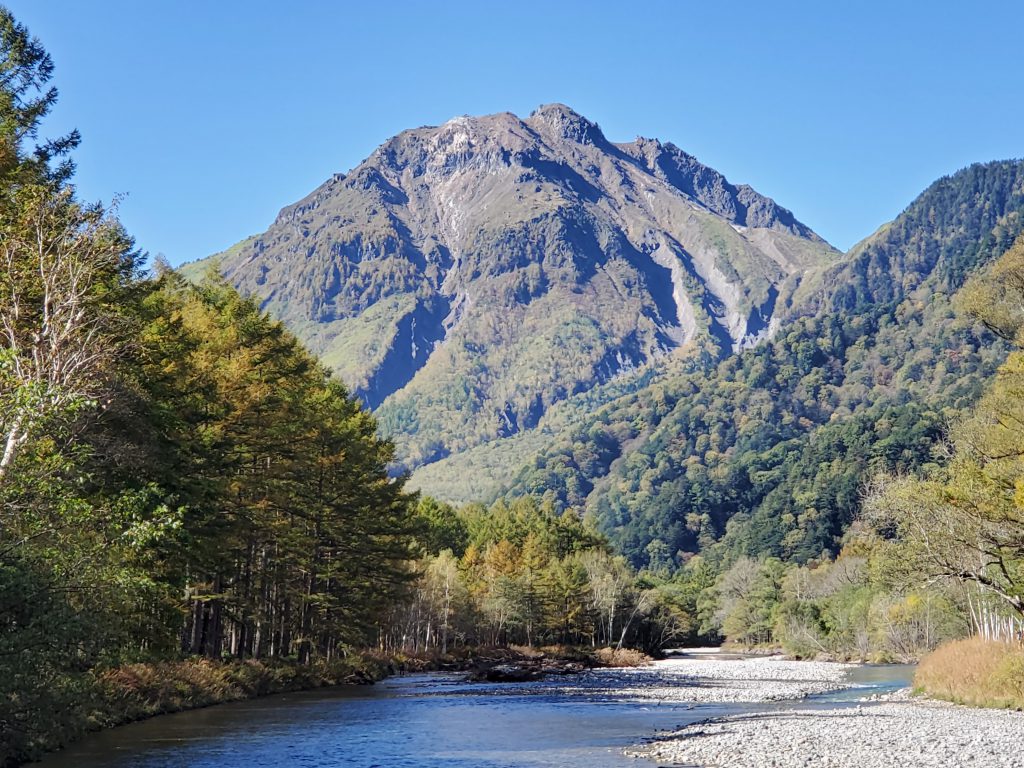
<point x="708" y="680"/>
<point x="894" y="731"/>
<point x="900" y="733"/>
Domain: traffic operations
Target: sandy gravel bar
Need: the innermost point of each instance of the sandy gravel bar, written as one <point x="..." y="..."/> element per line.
<point x="898" y="734"/>
<point x="717" y="681"/>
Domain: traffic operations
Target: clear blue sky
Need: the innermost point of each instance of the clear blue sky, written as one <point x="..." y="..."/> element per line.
<point x="211" y="116"/>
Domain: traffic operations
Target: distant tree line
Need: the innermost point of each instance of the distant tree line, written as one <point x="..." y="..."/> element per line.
<point x="520" y="573"/>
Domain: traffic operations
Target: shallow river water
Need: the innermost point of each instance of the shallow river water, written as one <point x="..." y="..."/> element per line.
<point x="424" y="721"/>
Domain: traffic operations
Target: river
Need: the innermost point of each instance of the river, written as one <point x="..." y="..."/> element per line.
<point x="425" y="721"/>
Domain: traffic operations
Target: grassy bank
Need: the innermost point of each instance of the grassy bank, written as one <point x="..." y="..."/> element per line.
<point x="976" y="672"/>
<point x="138" y="691"/>
<point x="110" y="697"/>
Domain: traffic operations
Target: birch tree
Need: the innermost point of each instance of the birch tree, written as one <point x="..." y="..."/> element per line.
<point x="63" y="269"/>
<point x="60" y="263"/>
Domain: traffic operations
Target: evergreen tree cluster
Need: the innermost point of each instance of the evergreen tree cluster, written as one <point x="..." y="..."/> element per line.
<point x="178" y="475"/>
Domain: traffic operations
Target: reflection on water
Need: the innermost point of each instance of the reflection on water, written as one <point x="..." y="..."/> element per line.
<point x="420" y="721"/>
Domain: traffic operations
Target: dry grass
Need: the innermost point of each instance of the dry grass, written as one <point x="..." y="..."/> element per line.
<point x="527" y="652"/>
<point x="625" y="657"/>
<point x="976" y="672"/>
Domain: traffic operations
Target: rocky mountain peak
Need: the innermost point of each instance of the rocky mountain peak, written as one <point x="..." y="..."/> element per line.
<point x="506" y="264"/>
<point x="560" y="121"/>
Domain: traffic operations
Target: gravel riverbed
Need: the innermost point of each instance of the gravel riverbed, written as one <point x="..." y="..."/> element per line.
<point x="721" y="681"/>
<point x="894" y="732"/>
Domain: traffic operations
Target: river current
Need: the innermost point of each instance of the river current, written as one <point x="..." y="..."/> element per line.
<point x="425" y="721"/>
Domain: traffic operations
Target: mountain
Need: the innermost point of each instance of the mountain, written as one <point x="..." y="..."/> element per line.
<point x="466" y="278"/>
<point x="530" y="308"/>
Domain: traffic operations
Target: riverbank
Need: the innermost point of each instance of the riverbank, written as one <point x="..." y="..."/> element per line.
<point x="137" y="691"/>
<point x="521" y="665"/>
<point x="705" y="678"/>
<point x="418" y="720"/>
<point x="105" y="698"/>
<point x="892" y="730"/>
<point x="896" y="733"/>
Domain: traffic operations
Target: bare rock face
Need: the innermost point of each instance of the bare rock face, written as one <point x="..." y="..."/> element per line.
<point x="466" y="277"/>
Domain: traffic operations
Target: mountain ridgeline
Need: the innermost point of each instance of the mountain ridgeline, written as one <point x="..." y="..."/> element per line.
<point x="531" y="309"/>
<point x="465" y="278"/>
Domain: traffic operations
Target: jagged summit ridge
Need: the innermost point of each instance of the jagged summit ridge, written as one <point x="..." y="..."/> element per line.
<point x="463" y="262"/>
<point x="561" y="121"/>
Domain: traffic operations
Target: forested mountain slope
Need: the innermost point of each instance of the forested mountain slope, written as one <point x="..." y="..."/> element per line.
<point x="466" y="277"/>
<point x="769" y="451"/>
